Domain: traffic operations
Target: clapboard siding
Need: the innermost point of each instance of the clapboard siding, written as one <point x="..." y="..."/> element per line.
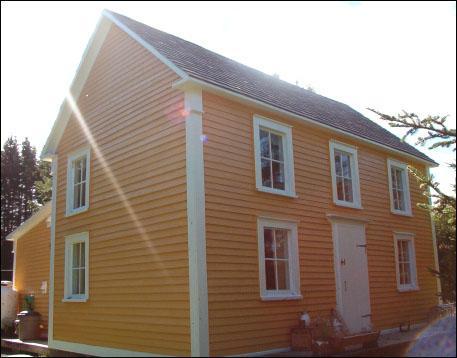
<point x="32" y="267"/>
<point x="137" y="217"/>
<point x="239" y="321"/>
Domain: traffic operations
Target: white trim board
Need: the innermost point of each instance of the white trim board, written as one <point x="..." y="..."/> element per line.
<point x="31" y="222"/>
<point x="198" y="286"/>
<point x="145" y="44"/>
<point x="82" y="73"/>
<point x="52" y="250"/>
<point x="253" y="102"/>
<point x="98" y="350"/>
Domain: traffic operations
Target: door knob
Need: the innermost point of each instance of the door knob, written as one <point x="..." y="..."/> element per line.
<point x="343" y="262"/>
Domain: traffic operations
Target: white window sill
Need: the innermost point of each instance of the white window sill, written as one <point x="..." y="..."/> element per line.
<point x="285" y="297"/>
<point x="402" y="213"/>
<point x="348" y="205"/>
<point x="277" y="192"/>
<point x="407" y="288"/>
<point x="79" y="299"/>
<point x="76" y="211"/>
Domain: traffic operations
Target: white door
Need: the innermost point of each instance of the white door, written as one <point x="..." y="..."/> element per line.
<point x="351" y="268"/>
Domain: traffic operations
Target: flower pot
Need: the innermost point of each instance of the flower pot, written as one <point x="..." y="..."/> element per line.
<point x="28" y="325"/>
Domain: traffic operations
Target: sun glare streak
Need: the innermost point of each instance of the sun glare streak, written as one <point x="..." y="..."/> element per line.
<point x="112" y="178"/>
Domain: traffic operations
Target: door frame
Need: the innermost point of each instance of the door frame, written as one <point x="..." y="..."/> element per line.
<point x="336" y="219"/>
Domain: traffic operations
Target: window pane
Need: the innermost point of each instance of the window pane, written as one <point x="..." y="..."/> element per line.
<point x="406" y="250"/>
<point x="348" y="190"/>
<point x="268" y="240"/>
<point x="82" y="247"/>
<point x="400" y="250"/>
<point x="82" y="281"/>
<point x="278" y="175"/>
<point x="266" y="173"/>
<point x="399" y="177"/>
<point x="282" y="251"/>
<point x="75" y="281"/>
<point x="83" y="194"/>
<point x="76" y="196"/>
<point x="75" y="249"/>
<point x="78" y="171"/>
<point x="393" y="177"/>
<point x="338" y="169"/>
<point x="346" y="162"/>
<point x="400" y="200"/>
<point x="83" y="169"/>
<point x="407" y="274"/>
<point x="339" y="188"/>
<point x="264" y="144"/>
<point x="276" y="147"/>
<point x="283" y="275"/>
<point x="270" y="274"/>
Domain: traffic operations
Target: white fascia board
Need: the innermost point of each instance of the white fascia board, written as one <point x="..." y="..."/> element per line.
<point x="31" y="222"/>
<point x="185" y="82"/>
<point x="82" y="73"/>
<point x="146" y="45"/>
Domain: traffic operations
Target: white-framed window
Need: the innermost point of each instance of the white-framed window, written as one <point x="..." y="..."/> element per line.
<point x="279" y="272"/>
<point x="400" y="202"/>
<point x="78" y="175"/>
<point x="405" y="261"/>
<point x="274" y="163"/>
<point x="345" y="175"/>
<point x="76" y="286"/>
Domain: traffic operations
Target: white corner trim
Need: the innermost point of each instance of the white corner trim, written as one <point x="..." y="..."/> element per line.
<point x="82" y="73"/>
<point x="30" y="223"/>
<point x="435" y="247"/>
<point x="198" y="286"/>
<point x="52" y="249"/>
<point x="97" y="351"/>
<point x="354" y="162"/>
<point x="14" y="263"/>
<point x="404" y="167"/>
<point x="244" y="99"/>
<point x="263" y="353"/>
<point x="146" y="45"/>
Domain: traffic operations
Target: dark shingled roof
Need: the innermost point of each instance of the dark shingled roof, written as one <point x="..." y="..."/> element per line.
<point x="221" y="71"/>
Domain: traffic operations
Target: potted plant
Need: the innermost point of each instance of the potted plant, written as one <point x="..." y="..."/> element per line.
<point x="28" y="321"/>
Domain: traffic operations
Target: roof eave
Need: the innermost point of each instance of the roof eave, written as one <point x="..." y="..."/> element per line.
<point x="31" y="222"/>
<point x="188" y="82"/>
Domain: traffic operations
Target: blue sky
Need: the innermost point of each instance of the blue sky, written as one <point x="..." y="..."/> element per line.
<point x="389" y="56"/>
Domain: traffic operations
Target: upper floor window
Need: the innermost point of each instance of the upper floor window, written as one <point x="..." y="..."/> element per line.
<point x="273" y="157"/>
<point x="405" y="261"/>
<point x="399" y="187"/>
<point x="278" y="259"/>
<point x="76" y="267"/>
<point x="345" y="175"/>
<point x="78" y="172"/>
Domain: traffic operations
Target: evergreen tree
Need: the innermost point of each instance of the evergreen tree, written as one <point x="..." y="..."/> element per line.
<point x="10" y="201"/>
<point x="43" y="185"/>
<point x="26" y="185"/>
<point x="28" y="176"/>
